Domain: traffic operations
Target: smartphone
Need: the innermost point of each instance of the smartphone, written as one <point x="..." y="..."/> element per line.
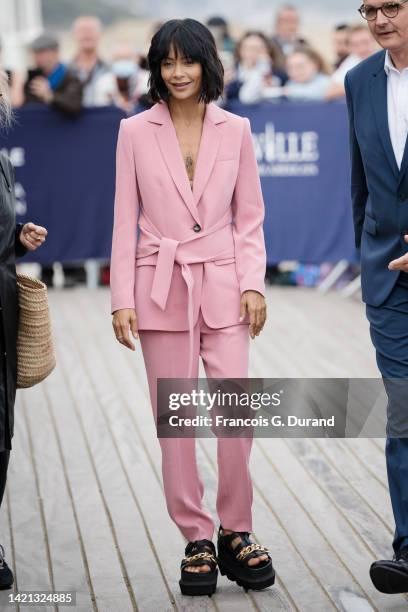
<point x="33" y="73"/>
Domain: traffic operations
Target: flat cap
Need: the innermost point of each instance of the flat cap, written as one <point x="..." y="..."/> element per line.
<point x="44" y="41"/>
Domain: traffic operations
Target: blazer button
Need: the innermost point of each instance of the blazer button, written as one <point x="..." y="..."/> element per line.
<point x="402" y="197"/>
<point x="197" y="228"/>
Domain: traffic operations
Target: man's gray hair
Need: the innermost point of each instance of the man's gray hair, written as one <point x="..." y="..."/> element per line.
<point x="6" y="112"/>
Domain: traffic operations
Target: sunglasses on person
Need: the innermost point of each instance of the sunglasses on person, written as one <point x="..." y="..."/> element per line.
<point x="388" y="9"/>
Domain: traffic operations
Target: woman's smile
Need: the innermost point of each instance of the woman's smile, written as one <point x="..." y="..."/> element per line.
<point x="181" y="85"/>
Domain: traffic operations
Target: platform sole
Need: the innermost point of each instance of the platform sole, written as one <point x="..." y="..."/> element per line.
<point x="197" y="588"/>
<point x="260" y="583"/>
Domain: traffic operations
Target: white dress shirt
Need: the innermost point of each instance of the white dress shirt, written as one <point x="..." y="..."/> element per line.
<point x="397" y="94"/>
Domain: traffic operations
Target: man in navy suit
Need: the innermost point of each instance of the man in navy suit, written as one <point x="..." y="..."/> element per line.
<point x="377" y="99"/>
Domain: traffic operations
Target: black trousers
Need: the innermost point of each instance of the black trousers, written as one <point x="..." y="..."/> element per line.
<point x="4" y="461"/>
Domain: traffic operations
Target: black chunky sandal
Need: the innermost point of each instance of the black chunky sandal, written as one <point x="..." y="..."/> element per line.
<point x="233" y="561"/>
<point x="199" y="552"/>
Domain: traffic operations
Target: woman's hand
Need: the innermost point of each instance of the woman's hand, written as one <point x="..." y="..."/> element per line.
<point x="32" y="236"/>
<point x="122" y="321"/>
<point x="253" y="302"/>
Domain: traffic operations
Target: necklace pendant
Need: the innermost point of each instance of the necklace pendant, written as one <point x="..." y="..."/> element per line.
<point x="189" y="162"/>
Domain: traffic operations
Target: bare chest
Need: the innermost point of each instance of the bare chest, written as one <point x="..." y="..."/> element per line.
<point x="189" y="142"/>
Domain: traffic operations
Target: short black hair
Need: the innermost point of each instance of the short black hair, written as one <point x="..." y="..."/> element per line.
<point x="194" y="41"/>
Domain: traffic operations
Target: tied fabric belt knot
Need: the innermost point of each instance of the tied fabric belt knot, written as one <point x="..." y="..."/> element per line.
<point x="194" y="249"/>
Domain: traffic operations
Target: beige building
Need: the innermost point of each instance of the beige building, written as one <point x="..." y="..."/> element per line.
<point x="20" y="22"/>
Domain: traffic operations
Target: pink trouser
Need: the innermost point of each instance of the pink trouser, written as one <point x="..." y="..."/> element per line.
<point x="225" y="354"/>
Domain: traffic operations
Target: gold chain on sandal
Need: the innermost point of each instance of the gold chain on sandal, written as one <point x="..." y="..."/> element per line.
<point x="248" y="549"/>
<point x="202" y="555"/>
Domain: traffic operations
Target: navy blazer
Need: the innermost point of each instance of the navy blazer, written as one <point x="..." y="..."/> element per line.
<point x="379" y="189"/>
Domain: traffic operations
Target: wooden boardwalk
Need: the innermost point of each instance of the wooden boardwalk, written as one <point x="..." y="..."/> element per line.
<point x="84" y="508"/>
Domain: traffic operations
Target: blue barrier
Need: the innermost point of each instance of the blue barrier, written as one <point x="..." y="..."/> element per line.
<point x="303" y="158"/>
<point x="65" y="171"/>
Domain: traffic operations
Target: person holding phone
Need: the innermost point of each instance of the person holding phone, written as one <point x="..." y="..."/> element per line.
<point x="50" y="82"/>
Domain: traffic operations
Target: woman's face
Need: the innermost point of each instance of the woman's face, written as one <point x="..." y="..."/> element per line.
<point x="181" y="75"/>
<point x="362" y="44"/>
<point x="252" y="50"/>
<point x="301" y="68"/>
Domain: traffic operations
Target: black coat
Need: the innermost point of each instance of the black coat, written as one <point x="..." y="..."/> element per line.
<point x="10" y="247"/>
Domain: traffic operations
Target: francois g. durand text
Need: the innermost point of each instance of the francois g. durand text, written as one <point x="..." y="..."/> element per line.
<point x="258" y="421"/>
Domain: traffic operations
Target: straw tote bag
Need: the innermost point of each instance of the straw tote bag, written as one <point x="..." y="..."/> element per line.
<point x="35" y="348"/>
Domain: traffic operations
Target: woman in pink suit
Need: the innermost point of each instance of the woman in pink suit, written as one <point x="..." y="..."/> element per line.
<point x="187" y="278"/>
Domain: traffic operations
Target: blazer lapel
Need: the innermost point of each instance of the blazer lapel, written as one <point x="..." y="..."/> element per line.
<point x="168" y="144"/>
<point x="379" y="99"/>
<point x="207" y="153"/>
<point x="209" y="145"/>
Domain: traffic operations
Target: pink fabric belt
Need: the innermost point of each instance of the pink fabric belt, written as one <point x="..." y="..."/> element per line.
<point x="195" y="249"/>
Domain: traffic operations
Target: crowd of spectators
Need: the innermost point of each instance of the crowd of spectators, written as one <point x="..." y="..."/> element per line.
<point x="258" y="66"/>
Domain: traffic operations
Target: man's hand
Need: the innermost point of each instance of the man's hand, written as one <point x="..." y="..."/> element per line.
<point x="253" y="302"/>
<point x="40" y="87"/>
<point x="32" y="236"/>
<point x="123" y="320"/>
<point x="401" y="263"/>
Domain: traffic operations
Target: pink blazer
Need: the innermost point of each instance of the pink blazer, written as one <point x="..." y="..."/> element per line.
<point x="174" y="249"/>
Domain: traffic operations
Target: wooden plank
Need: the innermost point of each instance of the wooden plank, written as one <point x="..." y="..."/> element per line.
<point x="69" y="566"/>
<point x="370" y="491"/>
<point x="28" y="532"/>
<point x="305" y="535"/>
<point x="301" y="340"/>
<point x="367" y="454"/>
<point x="94" y="522"/>
<point x="368" y="525"/>
<point x="345" y="543"/>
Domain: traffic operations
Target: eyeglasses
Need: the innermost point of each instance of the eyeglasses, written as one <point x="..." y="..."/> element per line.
<point x="388" y="9"/>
